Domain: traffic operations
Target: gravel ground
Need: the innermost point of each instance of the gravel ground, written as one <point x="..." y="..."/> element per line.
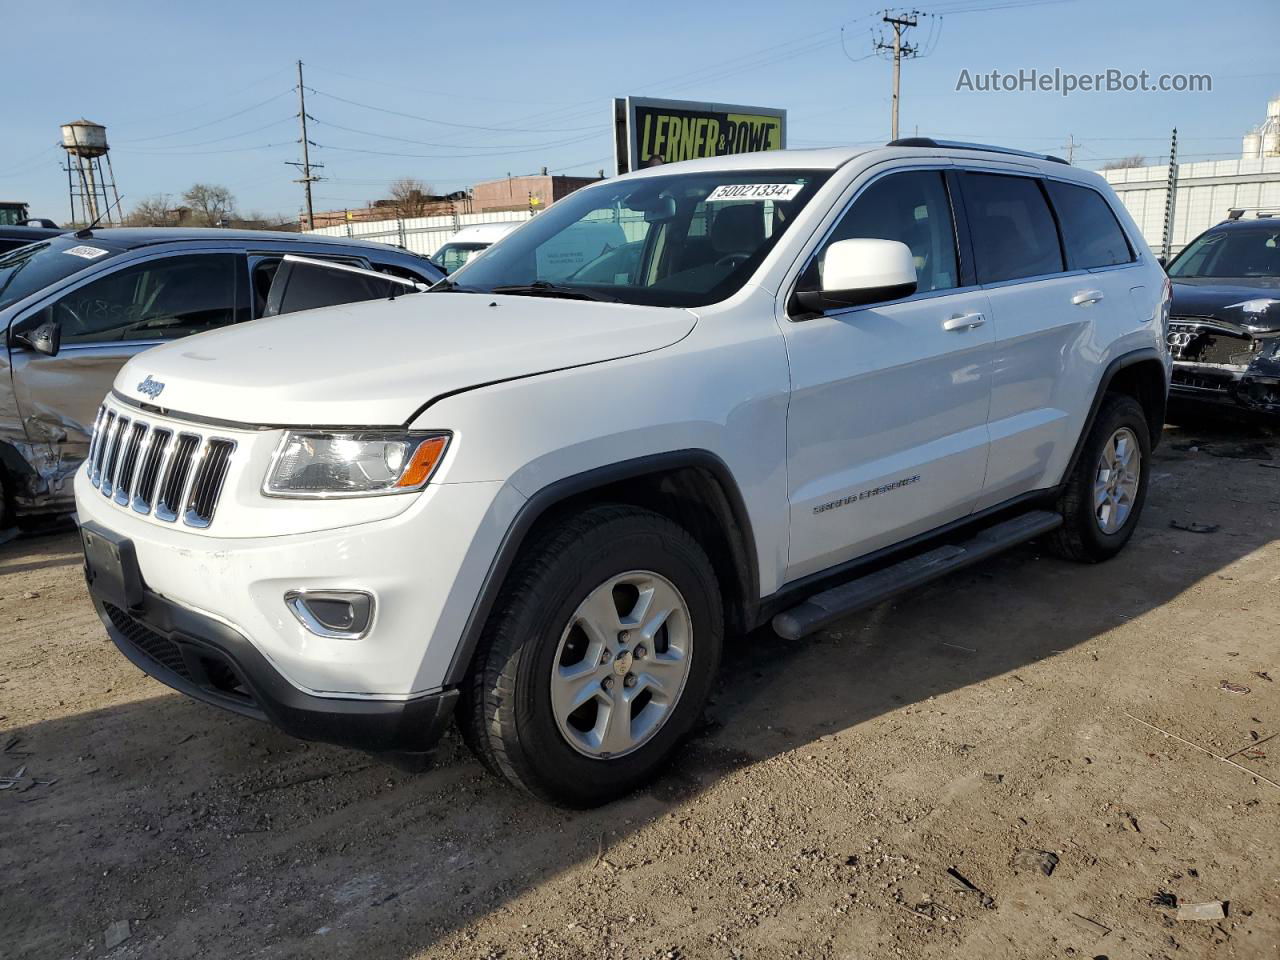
<point x="1024" y="715"/>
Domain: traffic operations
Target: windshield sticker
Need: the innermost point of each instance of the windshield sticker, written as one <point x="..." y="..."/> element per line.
<point x="89" y="253"/>
<point x="755" y="191"/>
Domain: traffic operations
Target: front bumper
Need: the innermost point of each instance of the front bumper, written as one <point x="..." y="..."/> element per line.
<point x="1217" y="362"/>
<point x="212" y="662"/>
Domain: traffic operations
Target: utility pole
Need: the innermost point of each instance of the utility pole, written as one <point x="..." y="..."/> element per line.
<point x="305" y="166"/>
<point x="900" y="50"/>
<point x="1172" y="191"/>
<point x="1070" y="147"/>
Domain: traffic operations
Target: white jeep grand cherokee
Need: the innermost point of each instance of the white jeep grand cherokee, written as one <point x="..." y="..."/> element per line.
<point x="677" y="405"/>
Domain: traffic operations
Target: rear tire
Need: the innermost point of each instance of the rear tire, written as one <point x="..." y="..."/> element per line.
<point x="575" y="695"/>
<point x="1104" y="495"/>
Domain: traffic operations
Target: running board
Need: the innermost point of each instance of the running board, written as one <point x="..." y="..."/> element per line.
<point x="823" y="609"/>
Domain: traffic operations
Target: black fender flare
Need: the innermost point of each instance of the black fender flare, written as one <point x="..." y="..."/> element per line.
<point x="1141" y="355"/>
<point x="562" y="490"/>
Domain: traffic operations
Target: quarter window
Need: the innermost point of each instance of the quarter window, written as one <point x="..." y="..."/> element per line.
<point x="1090" y="232"/>
<point x="1013" y="231"/>
<point x="158" y="300"/>
<point x="912" y="208"/>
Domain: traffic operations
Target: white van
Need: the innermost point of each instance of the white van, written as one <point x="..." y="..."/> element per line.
<point x="469" y="241"/>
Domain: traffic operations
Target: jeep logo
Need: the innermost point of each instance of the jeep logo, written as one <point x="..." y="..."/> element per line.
<point x="150" y="387"/>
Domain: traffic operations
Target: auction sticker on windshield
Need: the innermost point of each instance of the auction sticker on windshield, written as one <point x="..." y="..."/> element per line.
<point x="89" y="253"/>
<point x="755" y="191"/>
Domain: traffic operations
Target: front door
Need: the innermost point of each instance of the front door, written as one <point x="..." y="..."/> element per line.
<point x="886" y="434"/>
<point x="105" y="321"/>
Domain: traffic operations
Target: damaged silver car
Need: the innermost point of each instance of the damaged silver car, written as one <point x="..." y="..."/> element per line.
<point x="76" y="307"/>
<point x="1224" y="332"/>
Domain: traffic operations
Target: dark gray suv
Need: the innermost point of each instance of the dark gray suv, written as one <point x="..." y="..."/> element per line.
<point x="76" y="307"/>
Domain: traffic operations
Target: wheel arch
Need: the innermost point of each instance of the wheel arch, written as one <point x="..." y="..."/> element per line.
<point x="693" y="487"/>
<point x="1140" y="374"/>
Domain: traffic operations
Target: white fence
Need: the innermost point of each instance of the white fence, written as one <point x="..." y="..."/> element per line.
<point x="1204" y="193"/>
<point x="422" y="235"/>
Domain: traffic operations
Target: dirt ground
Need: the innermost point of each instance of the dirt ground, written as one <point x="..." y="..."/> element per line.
<point x="976" y="726"/>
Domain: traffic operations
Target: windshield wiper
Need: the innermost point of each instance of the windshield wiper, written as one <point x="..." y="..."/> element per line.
<point x="542" y="288"/>
<point x="445" y="285"/>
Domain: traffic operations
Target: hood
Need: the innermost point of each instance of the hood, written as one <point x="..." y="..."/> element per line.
<point x="1220" y="298"/>
<point x="376" y="363"/>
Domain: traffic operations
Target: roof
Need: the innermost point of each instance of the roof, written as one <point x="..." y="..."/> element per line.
<point x="129" y="238"/>
<point x="832" y="158"/>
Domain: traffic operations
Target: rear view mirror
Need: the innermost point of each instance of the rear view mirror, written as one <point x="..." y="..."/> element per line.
<point x="44" y="337"/>
<point x="662" y="208"/>
<point x="861" y="271"/>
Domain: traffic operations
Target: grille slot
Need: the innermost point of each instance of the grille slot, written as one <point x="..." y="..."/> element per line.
<point x="104" y="437"/>
<point x="206" y="488"/>
<point x="113" y="455"/>
<point x="94" y="437"/>
<point x="149" y="471"/>
<point x="174" y="483"/>
<point x="129" y="460"/>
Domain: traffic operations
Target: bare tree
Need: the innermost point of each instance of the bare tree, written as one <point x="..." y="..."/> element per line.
<point x="153" y="211"/>
<point x="410" y="197"/>
<point x="210" y="204"/>
<point x="1126" y="163"/>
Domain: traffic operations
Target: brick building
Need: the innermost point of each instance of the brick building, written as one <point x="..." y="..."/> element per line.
<point x="517" y="193"/>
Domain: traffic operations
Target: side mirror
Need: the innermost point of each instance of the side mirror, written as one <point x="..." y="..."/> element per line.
<point x="45" y="337"/>
<point x="860" y="271"/>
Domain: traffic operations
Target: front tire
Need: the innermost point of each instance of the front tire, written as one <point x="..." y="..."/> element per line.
<point x="1104" y="495"/>
<point x="598" y="657"/>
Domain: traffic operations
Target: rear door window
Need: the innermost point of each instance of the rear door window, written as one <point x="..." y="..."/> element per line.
<point x="1092" y="235"/>
<point x="1013" y="232"/>
<point x="306" y="286"/>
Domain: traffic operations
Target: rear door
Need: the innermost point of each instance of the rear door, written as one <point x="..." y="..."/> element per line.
<point x="104" y="321"/>
<point x="886" y="431"/>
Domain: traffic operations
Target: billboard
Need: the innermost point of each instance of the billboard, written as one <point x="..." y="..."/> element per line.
<point x="648" y="131"/>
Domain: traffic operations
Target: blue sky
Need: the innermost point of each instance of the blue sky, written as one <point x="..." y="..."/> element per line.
<point x="204" y="91"/>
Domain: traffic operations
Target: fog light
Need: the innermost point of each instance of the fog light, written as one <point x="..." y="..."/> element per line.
<point x="339" y="614"/>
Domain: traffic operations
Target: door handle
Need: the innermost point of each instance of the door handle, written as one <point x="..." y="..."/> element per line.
<point x="964" y="321"/>
<point x="1085" y="297"/>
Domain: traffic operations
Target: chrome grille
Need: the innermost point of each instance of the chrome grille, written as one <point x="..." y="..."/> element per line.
<point x="210" y="472"/>
<point x="113" y="455"/>
<point x="157" y="470"/>
<point x="129" y="461"/>
<point x="175" y="478"/>
<point x="149" y="472"/>
<point x="100" y="445"/>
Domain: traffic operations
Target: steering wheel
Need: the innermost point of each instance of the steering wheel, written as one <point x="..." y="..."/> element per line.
<point x="732" y="260"/>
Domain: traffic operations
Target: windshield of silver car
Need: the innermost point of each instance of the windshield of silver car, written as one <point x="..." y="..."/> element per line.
<point x="677" y="240"/>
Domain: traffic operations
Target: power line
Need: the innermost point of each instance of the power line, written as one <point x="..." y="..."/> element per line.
<point x="447" y="146"/>
<point x="210" y="123"/>
<point x="443" y="123"/>
<point x="459" y="156"/>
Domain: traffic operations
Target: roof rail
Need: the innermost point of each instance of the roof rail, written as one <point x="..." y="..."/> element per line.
<point x="961" y="145"/>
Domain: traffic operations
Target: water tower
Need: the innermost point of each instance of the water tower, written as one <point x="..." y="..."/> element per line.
<point x="91" y="185"/>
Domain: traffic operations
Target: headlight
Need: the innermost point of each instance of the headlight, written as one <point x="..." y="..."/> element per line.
<point x="355" y="464"/>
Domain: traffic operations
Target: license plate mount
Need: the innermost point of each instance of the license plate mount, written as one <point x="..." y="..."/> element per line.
<point x="111" y="567"/>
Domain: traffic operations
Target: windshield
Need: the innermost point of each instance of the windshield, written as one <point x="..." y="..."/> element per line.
<point x="31" y="268"/>
<point x="681" y="240"/>
<point x="1253" y="252"/>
